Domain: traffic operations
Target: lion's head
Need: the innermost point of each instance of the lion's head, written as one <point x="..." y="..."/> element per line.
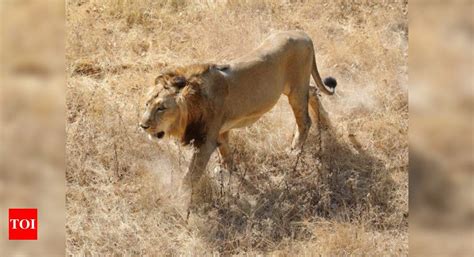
<point x="175" y="106"/>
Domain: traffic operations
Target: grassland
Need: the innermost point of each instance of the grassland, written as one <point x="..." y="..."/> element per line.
<point x="352" y="200"/>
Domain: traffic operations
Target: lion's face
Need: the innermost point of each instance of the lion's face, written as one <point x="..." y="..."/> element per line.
<point x="161" y="109"/>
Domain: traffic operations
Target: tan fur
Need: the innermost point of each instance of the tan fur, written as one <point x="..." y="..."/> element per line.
<point x="191" y="107"/>
<point x="205" y="101"/>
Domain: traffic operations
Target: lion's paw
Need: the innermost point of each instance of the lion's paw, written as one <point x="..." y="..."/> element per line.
<point x="293" y="152"/>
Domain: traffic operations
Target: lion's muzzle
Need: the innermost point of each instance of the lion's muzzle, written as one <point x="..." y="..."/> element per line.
<point x="160" y="134"/>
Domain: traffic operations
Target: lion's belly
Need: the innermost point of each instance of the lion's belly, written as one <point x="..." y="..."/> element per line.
<point x="241" y="122"/>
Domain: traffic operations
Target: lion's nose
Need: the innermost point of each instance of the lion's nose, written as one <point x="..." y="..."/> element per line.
<point x="143" y="126"/>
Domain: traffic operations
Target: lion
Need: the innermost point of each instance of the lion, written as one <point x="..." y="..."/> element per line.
<point x="201" y="103"/>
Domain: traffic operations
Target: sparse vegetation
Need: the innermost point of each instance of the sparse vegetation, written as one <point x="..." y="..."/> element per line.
<point x="121" y="188"/>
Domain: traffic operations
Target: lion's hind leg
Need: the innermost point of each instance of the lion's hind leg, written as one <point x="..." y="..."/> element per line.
<point x="298" y="99"/>
<point x="318" y="115"/>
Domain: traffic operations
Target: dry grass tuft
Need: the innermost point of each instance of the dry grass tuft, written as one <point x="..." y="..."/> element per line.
<point x="121" y="196"/>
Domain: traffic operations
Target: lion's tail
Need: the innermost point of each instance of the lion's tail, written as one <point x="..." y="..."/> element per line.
<point x="329" y="82"/>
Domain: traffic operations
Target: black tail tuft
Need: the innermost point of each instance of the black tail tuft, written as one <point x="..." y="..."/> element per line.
<point x="330" y="82"/>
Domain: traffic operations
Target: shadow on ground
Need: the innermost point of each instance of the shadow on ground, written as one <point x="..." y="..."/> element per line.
<point x="273" y="196"/>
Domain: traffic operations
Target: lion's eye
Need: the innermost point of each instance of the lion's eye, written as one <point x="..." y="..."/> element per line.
<point x="161" y="108"/>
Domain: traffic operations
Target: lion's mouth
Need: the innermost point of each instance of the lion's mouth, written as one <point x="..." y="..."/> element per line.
<point x="160" y="134"/>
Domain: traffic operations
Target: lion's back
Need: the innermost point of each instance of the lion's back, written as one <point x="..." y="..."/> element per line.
<point x="278" y="45"/>
<point x="285" y="39"/>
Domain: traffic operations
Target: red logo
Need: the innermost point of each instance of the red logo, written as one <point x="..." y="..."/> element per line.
<point x="22" y="224"/>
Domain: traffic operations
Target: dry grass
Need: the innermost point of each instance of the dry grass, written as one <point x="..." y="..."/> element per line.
<point x="121" y="196"/>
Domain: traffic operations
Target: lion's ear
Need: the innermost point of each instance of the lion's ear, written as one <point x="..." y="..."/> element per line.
<point x="158" y="78"/>
<point x="179" y="82"/>
<point x="164" y="76"/>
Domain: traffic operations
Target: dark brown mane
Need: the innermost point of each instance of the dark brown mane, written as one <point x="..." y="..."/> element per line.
<point x="198" y="107"/>
<point x="195" y="132"/>
<point x="193" y="70"/>
<point x="189" y="72"/>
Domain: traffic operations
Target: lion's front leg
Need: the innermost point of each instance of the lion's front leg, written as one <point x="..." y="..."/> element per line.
<point x="193" y="182"/>
<point x="224" y="150"/>
<point x="199" y="162"/>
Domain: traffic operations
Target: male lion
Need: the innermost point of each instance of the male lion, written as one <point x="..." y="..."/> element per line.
<point x="200" y="104"/>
